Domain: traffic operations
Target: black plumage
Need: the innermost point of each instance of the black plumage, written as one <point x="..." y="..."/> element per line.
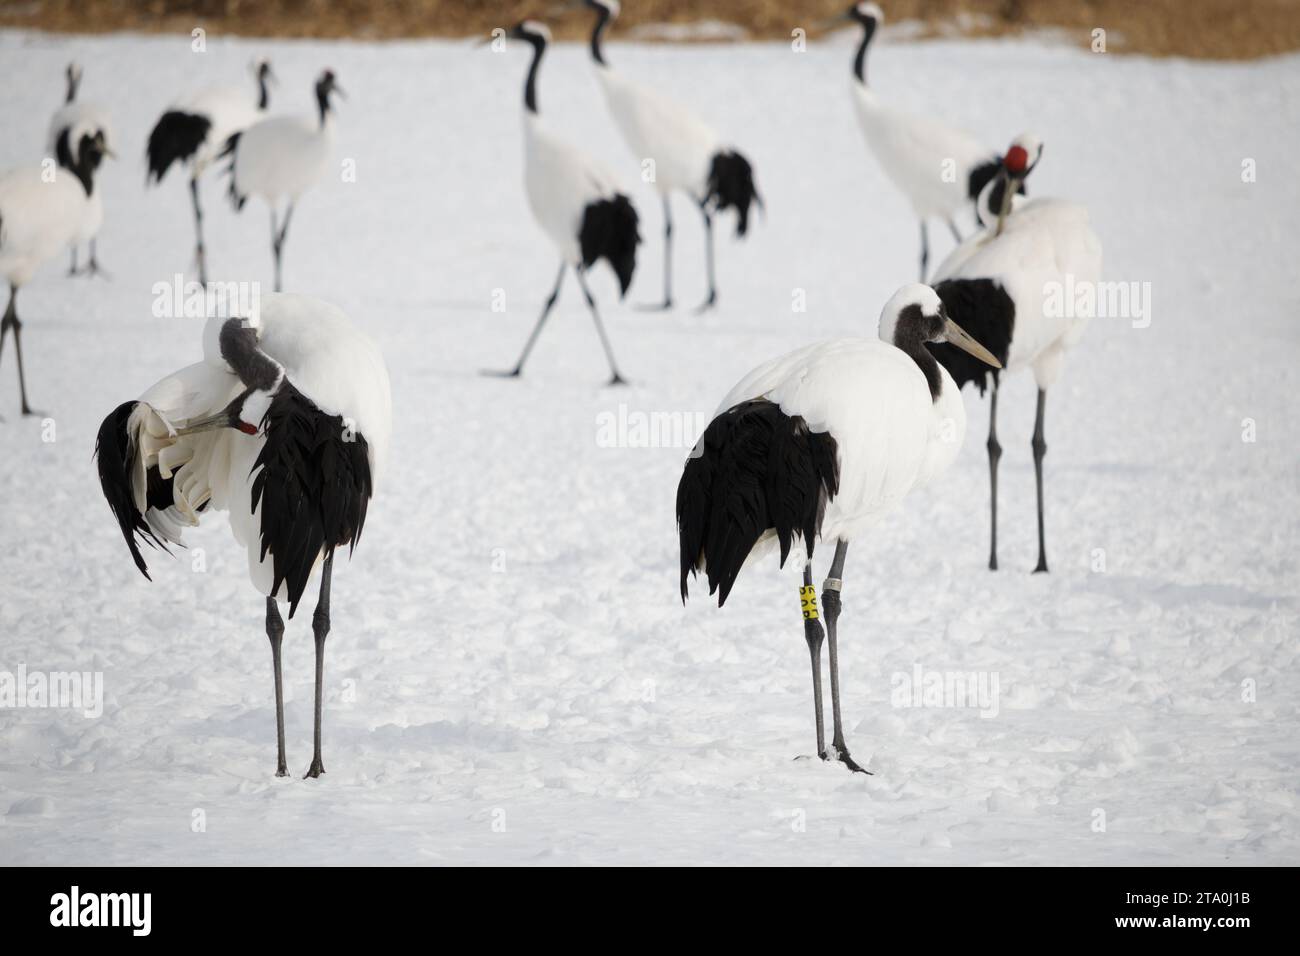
<point x="609" y="232"/>
<point x="983" y="309"/>
<point x="731" y="186"/>
<point x="311" y="487"/>
<point x="979" y="178"/>
<point x="237" y="199"/>
<point x="755" y="469"/>
<point x="115" y="460"/>
<point x="175" y="138"/>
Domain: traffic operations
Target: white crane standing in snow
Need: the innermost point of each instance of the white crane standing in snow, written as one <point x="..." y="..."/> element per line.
<point x="823" y="442"/>
<point x="195" y="131"/>
<point x="281" y="158"/>
<point x="687" y="154"/>
<point x="43" y="210"/>
<point x="70" y="122"/>
<point x="941" y="170"/>
<point x="575" y="202"/>
<point x="284" y="425"/>
<point x="997" y="284"/>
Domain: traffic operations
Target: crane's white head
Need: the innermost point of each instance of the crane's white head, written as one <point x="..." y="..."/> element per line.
<point x="867" y="13"/>
<point x="610" y="8"/>
<point x="915" y="314"/>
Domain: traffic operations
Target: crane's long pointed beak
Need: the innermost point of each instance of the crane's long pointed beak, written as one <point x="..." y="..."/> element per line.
<point x="220" y="420"/>
<point x="954" y="333"/>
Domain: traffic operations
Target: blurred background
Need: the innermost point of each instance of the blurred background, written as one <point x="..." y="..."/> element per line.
<point x="1216" y="29"/>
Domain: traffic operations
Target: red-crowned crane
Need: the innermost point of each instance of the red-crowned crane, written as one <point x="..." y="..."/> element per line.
<point x="688" y="156"/>
<point x="44" y="209"/>
<point x="72" y="121"/>
<point x="195" y="130"/>
<point x="575" y="202"/>
<point x="823" y="442"/>
<point x="939" y="169"/>
<point x="284" y="426"/>
<point x="997" y="284"/>
<point x="281" y="158"/>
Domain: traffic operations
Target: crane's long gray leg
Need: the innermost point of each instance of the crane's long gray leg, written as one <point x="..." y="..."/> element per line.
<point x="11" y="321"/>
<point x="615" y="378"/>
<point x="813" y="634"/>
<point x="712" y="300"/>
<point x="277" y="241"/>
<point x="995" y="455"/>
<point x="72" y="269"/>
<point x="93" y="267"/>
<point x="275" y="632"/>
<point x="320" y="627"/>
<point x="832" y="605"/>
<point x="1040" y="449"/>
<point x="925" y="249"/>
<point x="955" y="234"/>
<point x="537" y="329"/>
<point x="668" y="261"/>
<point x="200" y="253"/>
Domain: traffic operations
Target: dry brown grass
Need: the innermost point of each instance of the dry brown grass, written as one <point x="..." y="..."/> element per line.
<point x="1219" y="29"/>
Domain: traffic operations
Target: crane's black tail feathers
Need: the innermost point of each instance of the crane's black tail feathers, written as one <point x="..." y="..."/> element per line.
<point x="237" y="199"/>
<point x="114" y="457"/>
<point x="731" y="186"/>
<point x="175" y="138"/>
<point x="755" y="469"/>
<point x="609" y="232"/>
<point x="311" y="488"/>
<point x="982" y="308"/>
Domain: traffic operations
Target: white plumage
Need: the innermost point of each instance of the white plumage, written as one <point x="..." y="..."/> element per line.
<point x="929" y="162"/>
<point x="195" y="130"/>
<point x="44" y="209"/>
<point x="284" y="427"/>
<point x="280" y="158"/>
<point x="821" y="444"/>
<point x="687" y="155"/>
<point x="71" y="122"/>
<point x="575" y="201"/>
<point x="1031" y="253"/>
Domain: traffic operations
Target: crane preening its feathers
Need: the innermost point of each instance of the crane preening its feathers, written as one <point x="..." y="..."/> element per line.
<point x="575" y="202"/>
<point x="687" y="154"/>
<point x="996" y="284"/>
<point x="823" y="443"/>
<point x="284" y="426"/>
<point x="916" y="151"/>
<point x="196" y="130"/>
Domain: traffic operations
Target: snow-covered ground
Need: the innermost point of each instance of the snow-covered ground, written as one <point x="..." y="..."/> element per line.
<point x="511" y="676"/>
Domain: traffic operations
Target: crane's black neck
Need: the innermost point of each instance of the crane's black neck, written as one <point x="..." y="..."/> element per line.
<point x="74" y="80"/>
<point x="530" y="84"/>
<point x="263" y="93"/>
<point x="860" y="61"/>
<point x="240" y="349"/>
<point x="598" y="34"/>
<point x="83" y="164"/>
<point x="911" y="333"/>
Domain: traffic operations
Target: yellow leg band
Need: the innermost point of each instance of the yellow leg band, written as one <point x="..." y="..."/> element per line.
<point x="808" y="601"/>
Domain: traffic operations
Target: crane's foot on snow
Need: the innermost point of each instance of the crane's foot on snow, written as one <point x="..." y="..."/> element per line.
<point x="93" y="269"/>
<point x="495" y="373"/>
<point x="315" y="770"/>
<point x="616" y="379"/>
<point x="664" y="306"/>
<point x="708" y="304"/>
<point x="843" y="757"/>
